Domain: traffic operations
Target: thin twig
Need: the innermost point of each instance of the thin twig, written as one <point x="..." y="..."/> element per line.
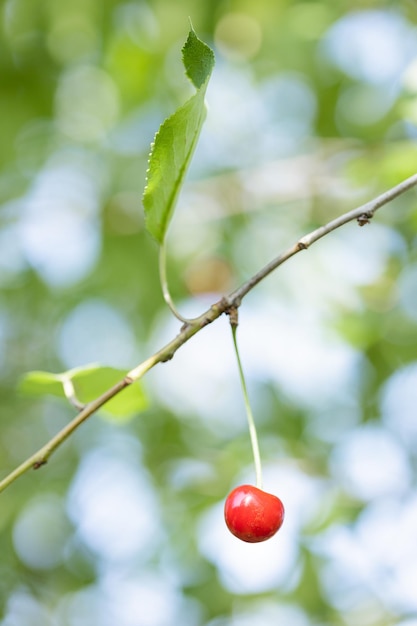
<point x="369" y="209"/>
<point x="363" y="214"/>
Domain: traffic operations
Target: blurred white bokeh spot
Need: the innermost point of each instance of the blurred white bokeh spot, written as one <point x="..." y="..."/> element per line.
<point x="23" y="609"/>
<point x="128" y="599"/>
<point x="374" y="46"/>
<point x="398" y="404"/>
<point x="377" y="555"/>
<point x="41" y="532"/>
<point x="270" y="119"/>
<point x="151" y="599"/>
<point x="113" y="505"/>
<point x="386" y="531"/>
<point x="370" y="462"/>
<point x="408" y="288"/>
<point x="58" y="227"/>
<point x="82" y="607"/>
<point x="290" y="346"/>
<point x="94" y="331"/>
<point x="352" y="256"/>
<point x="188" y="472"/>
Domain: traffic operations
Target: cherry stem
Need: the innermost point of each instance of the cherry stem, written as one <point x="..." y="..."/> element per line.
<point x="251" y="422"/>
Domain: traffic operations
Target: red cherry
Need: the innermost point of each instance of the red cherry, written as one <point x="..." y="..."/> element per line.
<point x="253" y="515"/>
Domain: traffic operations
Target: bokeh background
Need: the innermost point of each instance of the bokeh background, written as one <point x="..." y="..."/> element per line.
<point x="312" y="111"/>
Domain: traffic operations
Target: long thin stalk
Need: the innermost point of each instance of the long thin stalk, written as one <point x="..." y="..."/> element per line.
<point x="251" y="422"/>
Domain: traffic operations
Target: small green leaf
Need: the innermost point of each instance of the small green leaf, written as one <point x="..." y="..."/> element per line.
<point x="42" y="383"/>
<point x="89" y="383"/>
<point x="175" y="142"/>
<point x="198" y="60"/>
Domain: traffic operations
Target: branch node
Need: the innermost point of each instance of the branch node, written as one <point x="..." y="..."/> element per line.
<point x="301" y="245"/>
<point x="233" y="314"/>
<point x="365" y="218"/>
<point x="39" y="464"/>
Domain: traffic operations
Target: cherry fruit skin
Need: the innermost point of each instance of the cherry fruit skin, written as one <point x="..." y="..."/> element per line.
<point x="253" y="515"/>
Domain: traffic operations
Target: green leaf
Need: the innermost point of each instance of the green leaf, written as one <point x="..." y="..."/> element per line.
<point x="175" y="142"/>
<point x="89" y="382"/>
<point x="198" y="60"/>
<point x="41" y="383"/>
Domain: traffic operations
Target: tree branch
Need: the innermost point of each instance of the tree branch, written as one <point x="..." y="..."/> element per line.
<point x="363" y="214"/>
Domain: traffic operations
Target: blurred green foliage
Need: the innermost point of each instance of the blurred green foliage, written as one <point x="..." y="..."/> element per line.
<point x="312" y="110"/>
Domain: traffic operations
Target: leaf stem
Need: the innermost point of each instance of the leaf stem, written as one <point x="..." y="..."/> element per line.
<point x="164" y="283"/>
<point x="251" y="422"/>
<point x="70" y="394"/>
